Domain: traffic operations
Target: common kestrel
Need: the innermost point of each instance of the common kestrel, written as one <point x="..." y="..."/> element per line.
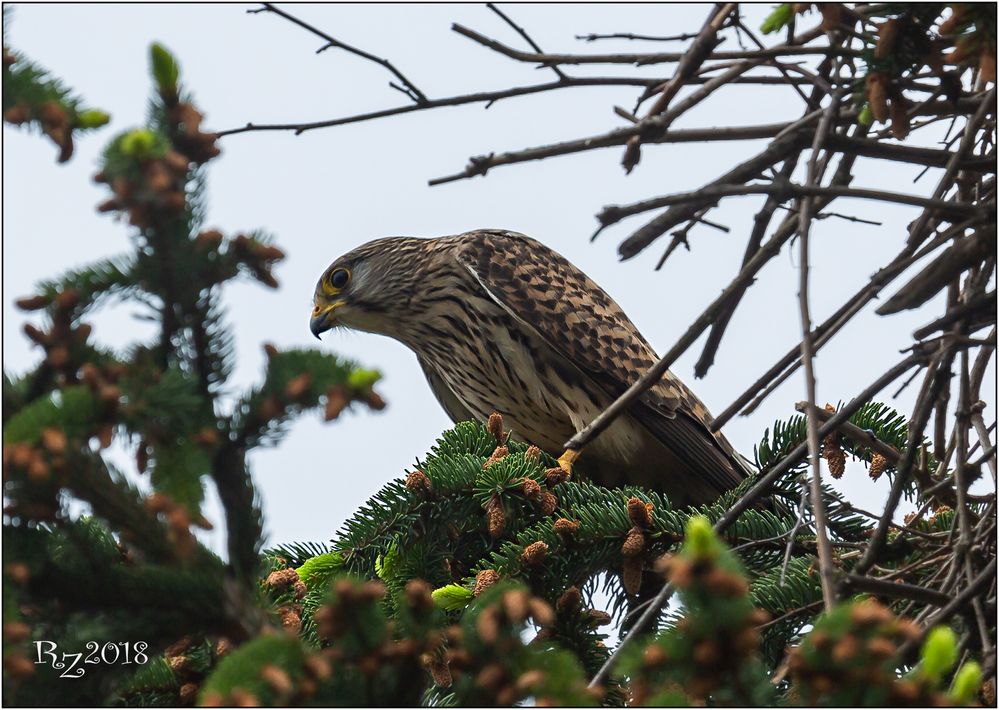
<point x="500" y="322"/>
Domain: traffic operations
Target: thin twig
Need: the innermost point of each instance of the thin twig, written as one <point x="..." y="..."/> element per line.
<point x="418" y="95"/>
<point x="527" y="38"/>
<point x="808" y="356"/>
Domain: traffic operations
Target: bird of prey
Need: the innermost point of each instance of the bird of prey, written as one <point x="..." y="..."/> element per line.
<point x="500" y="322"/>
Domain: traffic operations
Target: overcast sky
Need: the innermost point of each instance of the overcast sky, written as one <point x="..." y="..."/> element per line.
<point x="329" y="190"/>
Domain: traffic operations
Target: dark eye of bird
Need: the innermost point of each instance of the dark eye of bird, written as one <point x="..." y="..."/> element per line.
<point x="339" y="278"/>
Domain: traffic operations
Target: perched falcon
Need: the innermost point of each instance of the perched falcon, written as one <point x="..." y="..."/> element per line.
<point x="502" y="323"/>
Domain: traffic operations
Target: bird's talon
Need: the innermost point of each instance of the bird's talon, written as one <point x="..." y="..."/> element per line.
<point x="566" y="460"/>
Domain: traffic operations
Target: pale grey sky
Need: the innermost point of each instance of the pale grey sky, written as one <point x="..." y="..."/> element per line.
<point x="329" y="190"/>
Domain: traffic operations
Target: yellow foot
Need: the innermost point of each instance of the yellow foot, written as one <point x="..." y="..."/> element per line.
<point x="566" y="460"/>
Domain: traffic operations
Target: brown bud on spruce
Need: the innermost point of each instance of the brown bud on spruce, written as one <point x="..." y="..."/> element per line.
<point x="595" y="617"/>
<point x="374" y="401"/>
<point x="277" y="679"/>
<point x="337" y="399"/>
<point x="418" y="482"/>
<point x="495" y="427"/>
<point x="418" y="595"/>
<point x="833" y="16"/>
<point x="485" y="579"/>
<point x="487" y="625"/>
<point x="631" y="575"/>
<point x="16" y="115"/>
<point x="531" y="490"/>
<point x="533" y="454"/>
<point x="877" y="95"/>
<point x="495" y="517"/>
<point x="298" y="387"/>
<point x="18" y="666"/>
<point x="67" y="299"/>
<point x="834" y="455"/>
<point x="541" y="612"/>
<point x="877" y="466"/>
<point x="530" y="680"/>
<point x="54" y="440"/>
<point x="37" y="336"/>
<point x="515" y="604"/>
<point x="243" y="698"/>
<point x="899" y="113"/>
<point x="270" y="408"/>
<point x="634" y="543"/>
<point x="281" y="579"/>
<point x="549" y="503"/>
<point x="535" y="553"/>
<point x="881" y="648"/>
<point x="887" y="35"/>
<point x="38" y="470"/>
<point x="210" y="240"/>
<point x="180" y="664"/>
<point x="16" y="631"/>
<point x="32" y="303"/>
<point x="987" y="64"/>
<point x="188" y="693"/>
<point x="17" y="572"/>
<point x="654" y="656"/>
<point x="105" y="435"/>
<point x="555" y="476"/>
<point x="566" y="528"/>
<point x="498" y="454"/>
<point x="58" y="357"/>
<point x="440" y="671"/>
<point x="640" y="512"/>
<point x="291" y="618"/>
<point x="725" y="584"/>
<point x="869" y="613"/>
<point x="569" y="602"/>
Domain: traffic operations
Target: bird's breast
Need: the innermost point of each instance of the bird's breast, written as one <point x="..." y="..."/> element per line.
<point x="493" y="363"/>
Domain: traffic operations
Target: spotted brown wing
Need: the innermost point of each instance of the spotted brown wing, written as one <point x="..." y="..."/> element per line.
<point x="544" y="291"/>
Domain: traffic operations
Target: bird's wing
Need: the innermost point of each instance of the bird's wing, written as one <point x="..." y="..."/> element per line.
<point x="544" y="291"/>
<point x="451" y="404"/>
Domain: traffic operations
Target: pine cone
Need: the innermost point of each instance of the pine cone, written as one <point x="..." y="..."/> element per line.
<point x="834" y="455"/>
<point x="877" y="466"/>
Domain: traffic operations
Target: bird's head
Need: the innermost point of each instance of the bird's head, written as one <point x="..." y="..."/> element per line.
<point x="370" y="288"/>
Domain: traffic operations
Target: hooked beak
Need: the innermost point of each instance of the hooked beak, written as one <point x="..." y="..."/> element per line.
<point x="322" y="319"/>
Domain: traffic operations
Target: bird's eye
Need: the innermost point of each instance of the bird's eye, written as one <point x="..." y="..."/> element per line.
<point x="339" y="279"/>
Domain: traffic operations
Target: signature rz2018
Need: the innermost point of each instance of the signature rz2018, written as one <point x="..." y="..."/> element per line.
<point x="74" y="664"/>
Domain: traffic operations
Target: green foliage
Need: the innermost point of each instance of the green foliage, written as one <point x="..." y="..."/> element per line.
<point x="164" y="68"/>
<point x="32" y="97"/>
<point x="135" y="570"/>
<point x="939" y="654"/>
<point x="778" y="19"/>
<point x="472" y="581"/>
